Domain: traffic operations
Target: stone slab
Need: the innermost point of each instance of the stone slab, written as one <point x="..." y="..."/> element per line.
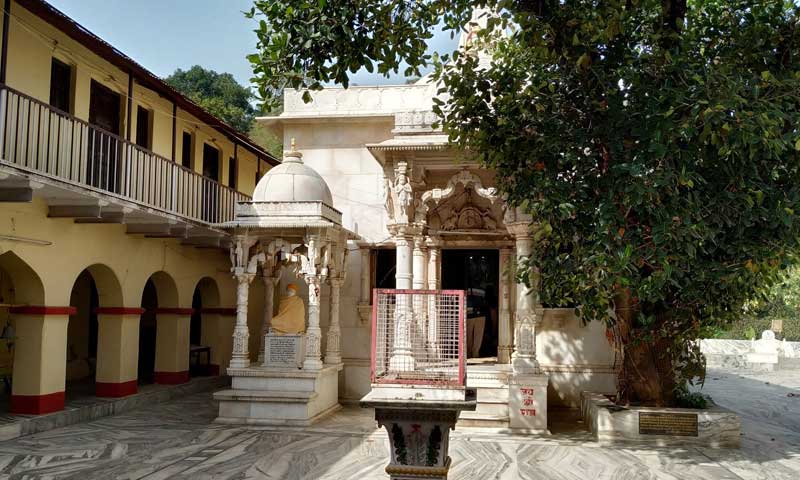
<point x="287" y="351"/>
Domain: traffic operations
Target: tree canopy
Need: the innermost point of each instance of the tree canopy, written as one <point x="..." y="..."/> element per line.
<point x="655" y="143"/>
<point x="224" y="97"/>
<point x="219" y="93"/>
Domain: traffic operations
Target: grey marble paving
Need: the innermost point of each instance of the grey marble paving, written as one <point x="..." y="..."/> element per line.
<point x="178" y="440"/>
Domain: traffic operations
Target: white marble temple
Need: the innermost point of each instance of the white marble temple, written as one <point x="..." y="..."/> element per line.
<point x="178" y="440"/>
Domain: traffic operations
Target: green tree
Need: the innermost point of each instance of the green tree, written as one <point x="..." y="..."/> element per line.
<point x="219" y="93"/>
<point x="655" y="143"/>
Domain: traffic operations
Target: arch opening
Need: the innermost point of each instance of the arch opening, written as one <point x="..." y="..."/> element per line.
<point x="82" y="331"/>
<point x="19" y="285"/>
<point x="147" y="333"/>
<point x="202" y="327"/>
<point x="95" y="286"/>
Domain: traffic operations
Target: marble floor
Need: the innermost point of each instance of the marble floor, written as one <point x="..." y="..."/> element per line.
<point x="178" y="440"/>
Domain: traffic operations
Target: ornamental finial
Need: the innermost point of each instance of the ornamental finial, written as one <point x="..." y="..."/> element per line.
<point x="292" y="156"/>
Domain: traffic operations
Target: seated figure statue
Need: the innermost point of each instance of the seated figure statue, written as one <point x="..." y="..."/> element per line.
<point x="291" y="316"/>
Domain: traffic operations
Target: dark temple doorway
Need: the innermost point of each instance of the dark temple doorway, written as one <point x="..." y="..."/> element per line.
<point x="477" y="273"/>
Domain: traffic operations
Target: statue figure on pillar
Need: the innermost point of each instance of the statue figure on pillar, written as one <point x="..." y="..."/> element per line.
<point x="404" y="193"/>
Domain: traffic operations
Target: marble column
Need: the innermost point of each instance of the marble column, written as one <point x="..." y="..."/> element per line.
<point x="504" y="340"/>
<point x="418" y="270"/>
<point x="365" y="298"/>
<point x="333" y="353"/>
<point x="419" y="263"/>
<point x="403" y="273"/>
<point x="271" y="279"/>
<point x="402" y="359"/>
<point x="433" y="284"/>
<point x="523" y="359"/>
<point x="433" y="267"/>
<point x="240" y="357"/>
<point x="313" y="360"/>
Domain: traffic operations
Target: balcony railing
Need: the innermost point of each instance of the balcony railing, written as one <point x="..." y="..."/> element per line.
<point x="45" y="140"/>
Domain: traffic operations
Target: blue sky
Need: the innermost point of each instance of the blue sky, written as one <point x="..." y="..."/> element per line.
<point x="163" y="35"/>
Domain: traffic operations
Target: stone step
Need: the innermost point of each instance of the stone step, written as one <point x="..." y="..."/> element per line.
<point x="487" y="380"/>
<point x="476" y="419"/>
<point x="492" y="409"/>
<point x="265" y="396"/>
<point x="492" y="395"/>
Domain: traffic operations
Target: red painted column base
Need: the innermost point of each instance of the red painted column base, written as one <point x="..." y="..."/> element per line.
<point x="37" y="404"/>
<point x="115" y="390"/>
<point x="171" y="378"/>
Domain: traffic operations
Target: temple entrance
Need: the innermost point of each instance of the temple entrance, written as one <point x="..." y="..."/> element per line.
<point x="477" y="273"/>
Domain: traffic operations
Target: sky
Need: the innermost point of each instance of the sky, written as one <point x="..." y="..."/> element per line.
<point x="163" y="35"/>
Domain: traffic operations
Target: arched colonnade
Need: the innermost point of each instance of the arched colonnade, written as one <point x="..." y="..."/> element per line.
<point x="115" y="331"/>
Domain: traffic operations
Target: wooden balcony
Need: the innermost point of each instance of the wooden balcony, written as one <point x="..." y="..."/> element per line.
<point x="96" y="176"/>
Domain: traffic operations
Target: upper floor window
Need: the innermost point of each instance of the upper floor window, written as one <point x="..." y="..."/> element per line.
<point x="186" y="150"/>
<point x="143" y="129"/>
<point x="60" y="85"/>
<point x="232" y="173"/>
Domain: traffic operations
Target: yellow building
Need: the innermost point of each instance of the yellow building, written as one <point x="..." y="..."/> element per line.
<point x="110" y="184"/>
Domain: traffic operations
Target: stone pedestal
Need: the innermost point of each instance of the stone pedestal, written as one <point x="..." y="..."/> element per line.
<point x="276" y="396"/>
<point x="527" y="403"/>
<point x="419" y="432"/>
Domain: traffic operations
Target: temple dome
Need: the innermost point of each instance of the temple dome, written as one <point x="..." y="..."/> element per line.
<point x="292" y="181"/>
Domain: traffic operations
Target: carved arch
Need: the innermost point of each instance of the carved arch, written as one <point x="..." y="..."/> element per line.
<point x="436" y="195"/>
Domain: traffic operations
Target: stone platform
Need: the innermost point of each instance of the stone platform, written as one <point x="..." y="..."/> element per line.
<point x="279" y="396"/>
<point x="715" y="427"/>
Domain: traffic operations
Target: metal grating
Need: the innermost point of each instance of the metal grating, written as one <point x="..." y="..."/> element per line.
<point x="418" y="337"/>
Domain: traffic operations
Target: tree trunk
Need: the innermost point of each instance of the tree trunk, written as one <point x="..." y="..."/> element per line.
<point x="647" y="376"/>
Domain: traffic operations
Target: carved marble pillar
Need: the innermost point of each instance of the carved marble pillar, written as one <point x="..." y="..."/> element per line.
<point x="333" y="352"/>
<point x="418" y="263"/>
<point x="241" y="335"/>
<point x="365" y="276"/>
<point x="271" y="279"/>
<point x="402" y="359"/>
<point x="403" y="273"/>
<point x="433" y="284"/>
<point x="313" y="360"/>
<point x="504" y="342"/>
<point x="523" y="359"/>
<point x="365" y="298"/>
<point x="434" y="252"/>
<point x="419" y="281"/>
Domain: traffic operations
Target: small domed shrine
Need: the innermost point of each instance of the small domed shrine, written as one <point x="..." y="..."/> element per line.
<point x="289" y="230"/>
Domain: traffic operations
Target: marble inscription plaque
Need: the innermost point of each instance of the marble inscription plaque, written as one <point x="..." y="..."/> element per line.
<point x="676" y="424"/>
<point x="283" y="350"/>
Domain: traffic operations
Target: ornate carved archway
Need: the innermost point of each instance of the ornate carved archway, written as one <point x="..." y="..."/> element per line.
<point x="436" y="195"/>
